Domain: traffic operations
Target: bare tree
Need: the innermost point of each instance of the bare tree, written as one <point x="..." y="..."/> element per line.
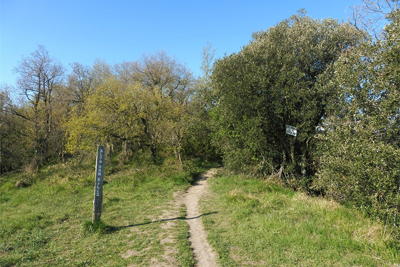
<point x="39" y="76"/>
<point x="79" y="82"/>
<point x="372" y="15"/>
<point x="158" y="72"/>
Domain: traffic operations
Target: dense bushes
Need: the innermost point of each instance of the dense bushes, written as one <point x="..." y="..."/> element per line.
<point x="277" y="80"/>
<point x="342" y="92"/>
<point x="360" y="146"/>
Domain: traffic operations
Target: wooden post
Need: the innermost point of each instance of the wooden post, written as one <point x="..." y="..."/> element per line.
<point x="98" y="187"/>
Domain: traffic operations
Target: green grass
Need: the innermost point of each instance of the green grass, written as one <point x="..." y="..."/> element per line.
<point x="185" y="254"/>
<point x="257" y="223"/>
<point x="249" y="221"/>
<point x="48" y="223"/>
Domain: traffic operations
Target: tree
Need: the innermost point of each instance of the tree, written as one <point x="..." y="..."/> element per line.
<point x="278" y="79"/>
<point x="372" y="15"/>
<point x="360" y="162"/>
<point x="14" y="150"/>
<point x="110" y="110"/>
<point x="142" y="102"/>
<point x="199" y="132"/>
<point x="79" y="83"/>
<point x="169" y="83"/>
<point x="159" y="72"/>
<point x="39" y="77"/>
<point x="4" y="123"/>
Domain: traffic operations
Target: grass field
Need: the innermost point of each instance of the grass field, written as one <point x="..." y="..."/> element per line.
<point x="250" y="222"/>
<point x="257" y="223"/>
<point x="48" y="222"/>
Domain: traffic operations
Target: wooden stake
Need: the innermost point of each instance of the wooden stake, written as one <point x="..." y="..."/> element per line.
<point x="98" y="187"/>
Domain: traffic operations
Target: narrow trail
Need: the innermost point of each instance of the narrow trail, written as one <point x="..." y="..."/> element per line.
<point x="203" y="254"/>
<point x="202" y="250"/>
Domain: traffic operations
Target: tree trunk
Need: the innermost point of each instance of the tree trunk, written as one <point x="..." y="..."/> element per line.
<point x="303" y="165"/>
<point x="292" y="154"/>
<point x="179" y="155"/>
<point x="282" y="164"/>
<point x="62" y="152"/>
<point x="109" y="148"/>
<point x="153" y="153"/>
<point x="36" y="159"/>
<point x="124" y="148"/>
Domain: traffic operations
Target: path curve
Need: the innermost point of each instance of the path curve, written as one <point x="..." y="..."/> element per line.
<point x="202" y="250"/>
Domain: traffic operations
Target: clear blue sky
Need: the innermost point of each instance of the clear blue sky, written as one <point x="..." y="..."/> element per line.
<point x="121" y="30"/>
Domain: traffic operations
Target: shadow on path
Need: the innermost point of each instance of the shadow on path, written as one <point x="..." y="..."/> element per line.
<point x="117" y="228"/>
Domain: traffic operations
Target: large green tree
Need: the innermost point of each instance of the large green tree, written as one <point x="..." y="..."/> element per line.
<point x="360" y="163"/>
<point x="278" y="79"/>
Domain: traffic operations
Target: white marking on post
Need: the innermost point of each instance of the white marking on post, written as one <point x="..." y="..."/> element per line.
<point x="98" y="186"/>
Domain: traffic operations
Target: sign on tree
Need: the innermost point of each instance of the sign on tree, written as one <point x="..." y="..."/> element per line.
<point x="291" y="130"/>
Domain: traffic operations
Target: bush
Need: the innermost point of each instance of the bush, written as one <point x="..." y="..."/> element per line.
<point x="360" y="146"/>
<point x="277" y="80"/>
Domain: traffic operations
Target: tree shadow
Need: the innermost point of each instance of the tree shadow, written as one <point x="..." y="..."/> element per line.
<point x="111" y="229"/>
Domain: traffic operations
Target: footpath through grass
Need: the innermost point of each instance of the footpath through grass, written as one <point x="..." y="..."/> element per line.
<point x="46" y="223"/>
<point x="261" y="224"/>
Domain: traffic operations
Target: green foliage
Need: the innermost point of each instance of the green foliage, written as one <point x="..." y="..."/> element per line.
<point x="141" y="104"/>
<point x="360" y="146"/>
<point x="277" y="80"/>
<point x="198" y="138"/>
<point x="110" y="109"/>
<point x="15" y="147"/>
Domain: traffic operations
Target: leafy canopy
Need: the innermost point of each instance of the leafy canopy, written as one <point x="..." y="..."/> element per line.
<point x="278" y="79"/>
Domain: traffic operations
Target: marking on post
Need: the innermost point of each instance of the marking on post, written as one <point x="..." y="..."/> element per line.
<point x="98" y="186"/>
<point x="291" y="130"/>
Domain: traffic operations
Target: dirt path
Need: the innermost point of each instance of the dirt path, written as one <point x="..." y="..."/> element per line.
<point x="202" y="251"/>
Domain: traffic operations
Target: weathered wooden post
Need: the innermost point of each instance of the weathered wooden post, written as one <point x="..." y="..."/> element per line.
<point x="98" y="187"/>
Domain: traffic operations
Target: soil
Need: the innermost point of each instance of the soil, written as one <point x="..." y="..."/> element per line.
<point x="202" y="250"/>
<point x="203" y="254"/>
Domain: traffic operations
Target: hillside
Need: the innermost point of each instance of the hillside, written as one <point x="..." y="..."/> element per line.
<point x="249" y="221"/>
